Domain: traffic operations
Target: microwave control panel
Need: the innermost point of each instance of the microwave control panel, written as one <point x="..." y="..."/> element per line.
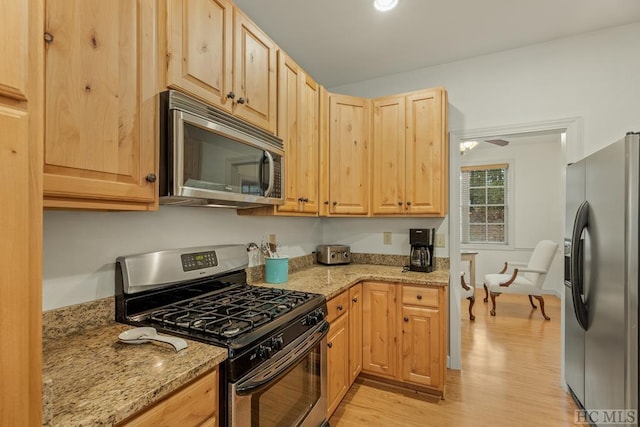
<point x="199" y="260"/>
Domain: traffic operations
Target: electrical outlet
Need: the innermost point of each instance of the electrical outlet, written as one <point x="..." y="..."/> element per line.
<point x="439" y="240"/>
<point x="272" y="239"/>
<point x="386" y="237"/>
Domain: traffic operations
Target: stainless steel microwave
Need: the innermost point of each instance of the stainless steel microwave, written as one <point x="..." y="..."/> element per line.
<point x="210" y="158"/>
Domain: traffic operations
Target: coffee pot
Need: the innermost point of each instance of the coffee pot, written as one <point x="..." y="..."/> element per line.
<point x="421" y="256"/>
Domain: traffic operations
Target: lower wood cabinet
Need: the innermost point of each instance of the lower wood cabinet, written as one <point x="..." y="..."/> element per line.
<point x="394" y="332"/>
<point x="404" y="334"/>
<point x="196" y="404"/>
<point x="337" y="362"/>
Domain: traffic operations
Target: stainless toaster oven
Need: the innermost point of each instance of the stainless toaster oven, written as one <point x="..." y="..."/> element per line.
<point x="333" y="254"/>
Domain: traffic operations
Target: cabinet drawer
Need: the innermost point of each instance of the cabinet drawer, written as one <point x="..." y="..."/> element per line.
<point x="337" y="306"/>
<point x="425" y="297"/>
<point x="194" y="404"/>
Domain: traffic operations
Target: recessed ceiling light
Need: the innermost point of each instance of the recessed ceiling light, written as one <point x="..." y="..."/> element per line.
<point x="385" y="5"/>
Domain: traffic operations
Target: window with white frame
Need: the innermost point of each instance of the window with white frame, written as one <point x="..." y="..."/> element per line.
<point x="484" y="198"/>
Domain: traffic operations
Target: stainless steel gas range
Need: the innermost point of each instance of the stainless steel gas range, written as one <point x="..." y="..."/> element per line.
<point x="275" y="374"/>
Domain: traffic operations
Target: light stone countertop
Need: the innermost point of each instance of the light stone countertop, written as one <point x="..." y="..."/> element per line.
<point x="332" y="280"/>
<point x="92" y="379"/>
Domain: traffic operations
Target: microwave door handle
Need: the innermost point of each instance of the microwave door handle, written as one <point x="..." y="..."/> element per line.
<point x="271" y="173"/>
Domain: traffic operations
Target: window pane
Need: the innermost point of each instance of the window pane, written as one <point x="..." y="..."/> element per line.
<point x="477" y="233"/>
<point x="478" y="196"/>
<point x="495" y="233"/>
<point x="495" y="214"/>
<point x="477" y="214"/>
<point x="495" y="177"/>
<point x="495" y="196"/>
<point x="478" y="178"/>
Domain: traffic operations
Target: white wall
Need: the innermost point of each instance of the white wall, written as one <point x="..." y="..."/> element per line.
<point x="537" y="209"/>
<point x="80" y="248"/>
<point x="593" y="76"/>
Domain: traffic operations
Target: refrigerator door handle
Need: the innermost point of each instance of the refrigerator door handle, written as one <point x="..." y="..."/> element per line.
<point x="577" y="253"/>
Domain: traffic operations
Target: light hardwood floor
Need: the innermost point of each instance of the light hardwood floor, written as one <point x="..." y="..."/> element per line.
<point x="510" y="376"/>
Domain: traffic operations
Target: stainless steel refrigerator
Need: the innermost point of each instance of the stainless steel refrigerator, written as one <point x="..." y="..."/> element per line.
<point x="601" y="278"/>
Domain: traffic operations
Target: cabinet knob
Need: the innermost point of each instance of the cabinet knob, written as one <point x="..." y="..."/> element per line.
<point x="354" y="299"/>
<point x="240" y="100"/>
<point x="305" y="200"/>
<point x="340" y="307"/>
<point x="419" y="297"/>
<point x="406" y="319"/>
<point x="326" y="202"/>
<point x="335" y="203"/>
<point x="408" y="203"/>
<point x="151" y="177"/>
<point x="399" y="203"/>
<point x="329" y="344"/>
<point x="231" y="95"/>
<point x="48" y="37"/>
<point x="300" y="199"/>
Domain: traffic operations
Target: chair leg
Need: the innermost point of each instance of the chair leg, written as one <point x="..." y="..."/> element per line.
<point x="531" y="301"/>
<point x="472" y="300"/>
<point x="541" y="302"/>
<point x="493" y="302"/>
<point x="486" y="292"/>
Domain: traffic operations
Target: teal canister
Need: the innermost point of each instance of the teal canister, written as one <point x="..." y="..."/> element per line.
<point x="276" y="270"/>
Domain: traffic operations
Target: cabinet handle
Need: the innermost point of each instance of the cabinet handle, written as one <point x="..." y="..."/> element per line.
<point x="305" y="200"/>
<point x="408" y="203"/>
<point x="406" y="319"/>
<point x="151" y="177"/>
<point x="419" y="297"/>
<point x="48" y="37"/>
<point x="300" y="199"/>
<point x="326" y="202"/>
<point x="240" y="100"/>
<point x="354" y="299"/>
<point x="231" y="95"/>
<point x="335" y="203"/>
<point x="340" y="307"/>
<point x="329" y="344"/>
<point x="399" y="203"/>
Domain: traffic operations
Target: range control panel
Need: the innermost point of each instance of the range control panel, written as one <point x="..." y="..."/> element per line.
<point x="199" y="260"/>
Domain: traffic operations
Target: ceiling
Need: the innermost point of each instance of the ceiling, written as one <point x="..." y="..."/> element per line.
<point x="345" y="41"/>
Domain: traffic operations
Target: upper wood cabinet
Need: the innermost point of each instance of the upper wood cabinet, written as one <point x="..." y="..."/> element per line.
<point x="410" y="154"/>
<point x="217" y="54"/>
<point x="200" y="49"/>
<point x="101" y="122"/>
<point x="21" y="137"/>
<point x="298" y="127"/>
<point x="346" y="175"/>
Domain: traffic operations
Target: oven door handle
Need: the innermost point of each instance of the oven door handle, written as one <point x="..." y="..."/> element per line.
<point x="278" y="368"/>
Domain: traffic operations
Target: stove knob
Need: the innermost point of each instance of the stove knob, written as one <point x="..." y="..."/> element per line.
<point x="277" y="343"/>
<point x="265" y="352"/>
<point x="319" y="315"/>
<point x="312" y="319"/>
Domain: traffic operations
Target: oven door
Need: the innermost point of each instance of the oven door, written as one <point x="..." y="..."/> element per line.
<point x="287" y="390"/>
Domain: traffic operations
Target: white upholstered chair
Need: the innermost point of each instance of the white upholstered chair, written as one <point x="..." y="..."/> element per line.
<point x="525" y="279"/>
<point x="468" y="292"/>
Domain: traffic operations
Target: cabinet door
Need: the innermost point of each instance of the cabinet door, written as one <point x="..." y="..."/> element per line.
<point x="421" y="346"/>
<point x="21" y="127"/>
<point x="254" y="74"/>
<point x="348" y="155"/>
<point x="355" y="332"/>
<point x="289" y="76"/>
<point x="379" y="323"/>
<point x="337" y="362"/>
<point x="101" y="103"/>
<point x="388" y="156"/>
<point x="426" y="155"/>
<point x="200" y="49"/>
<point x="308" y="145"/>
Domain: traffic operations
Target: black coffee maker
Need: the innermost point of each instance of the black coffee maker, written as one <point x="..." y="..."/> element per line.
<point x="421" y="257"/>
